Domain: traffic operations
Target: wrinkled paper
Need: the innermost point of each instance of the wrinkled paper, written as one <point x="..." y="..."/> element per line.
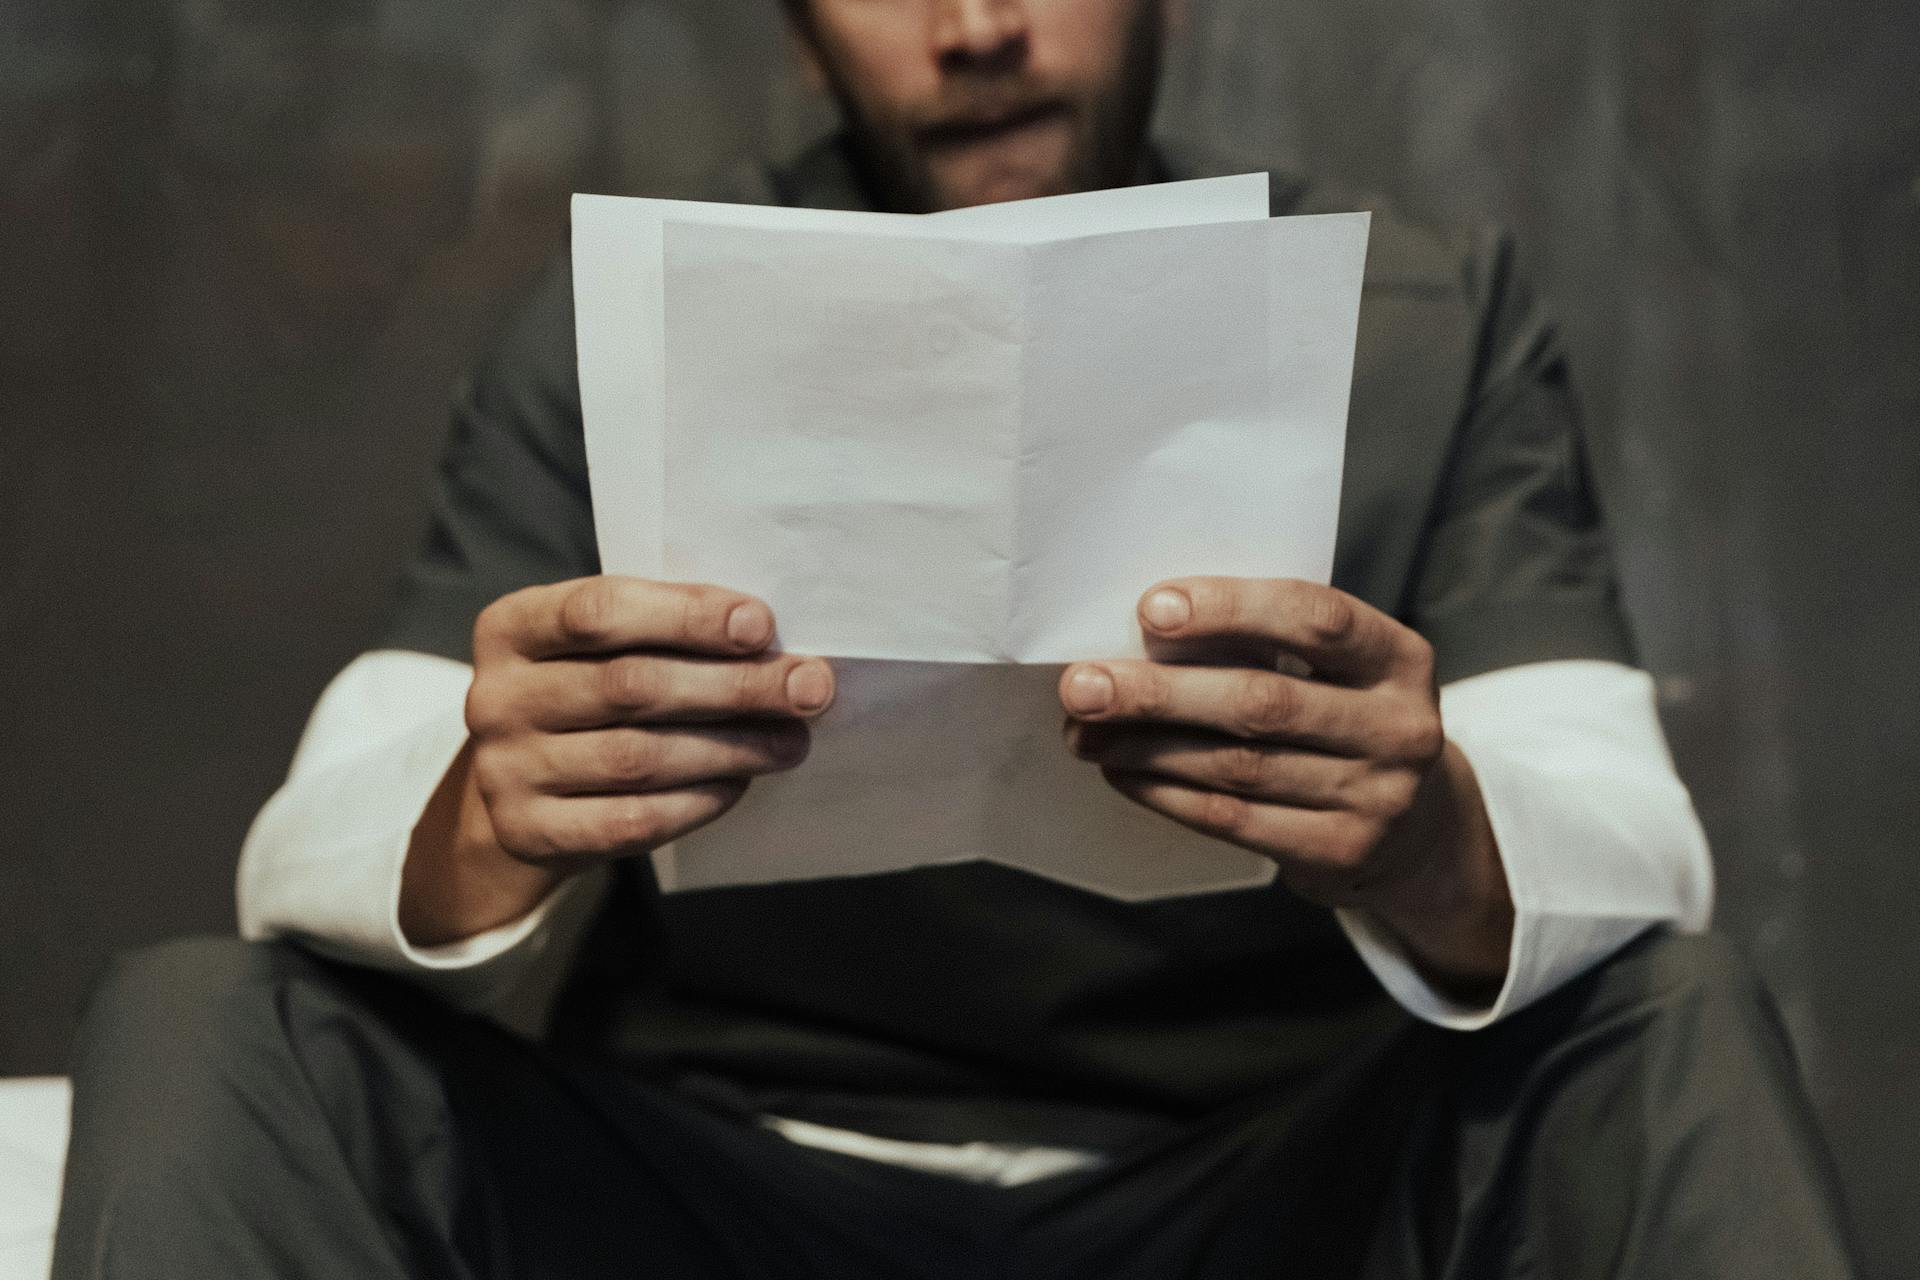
<point x="951" y="452"/>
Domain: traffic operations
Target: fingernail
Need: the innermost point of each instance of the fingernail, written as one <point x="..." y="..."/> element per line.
<point x="809" y="686"/>
<point x="1167" y="610"/>
<point x="749" y="625"/>
<point x="1089" y="691"/>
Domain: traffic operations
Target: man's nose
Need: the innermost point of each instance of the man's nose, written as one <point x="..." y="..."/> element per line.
<point x="979" y="30"/>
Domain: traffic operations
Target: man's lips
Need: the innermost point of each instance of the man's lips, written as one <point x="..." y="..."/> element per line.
<point x="986" y="127"/>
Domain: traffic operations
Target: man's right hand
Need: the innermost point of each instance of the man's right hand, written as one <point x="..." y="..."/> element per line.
<point x="607" y="717"/>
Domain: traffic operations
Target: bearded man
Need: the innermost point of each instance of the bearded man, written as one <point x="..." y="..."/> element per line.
<point x="1472" y="1030"/>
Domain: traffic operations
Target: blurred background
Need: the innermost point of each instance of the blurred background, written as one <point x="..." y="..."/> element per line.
<point x="247" y="247"/>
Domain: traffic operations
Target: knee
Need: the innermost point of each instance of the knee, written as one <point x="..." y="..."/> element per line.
<point x="188" y="1084"/>
<point x="1694" y="971"/>
<point x="1673" y="995"/>
<point x="175" y="1027"/>
<point x="182" y="972"/>
<point x="178" y="995"/>
<point x="192" y="1053"/>
<point x="1683" y="1022"/>
<point x="1662" y="989"/>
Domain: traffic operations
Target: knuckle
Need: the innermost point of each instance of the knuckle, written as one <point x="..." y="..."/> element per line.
<point x="631" y="823"/>
<point x="1239" y="604"/>
<point x="1329" y="616"/>
<point x="631" y="684"/>
<point x="505" y="611"/>
<point x="1349" y="786"/>
<point x="1419" y="658"/>
<point x="1223" y="813"/>
<point x="1399" y="795"/>
<point x="1143" y="689"/>
<point x="697" y="615"/>
<point x="758" y="684"/>
<point x="493" y="777"/>
<point x="1214" y="605"/>
<point x="1268" y="703"/>
<point x="586" y="611"/>
<point x="629" y="758"/>
<point x="1243" y="768"/>
<point x="490" y="622"/>
<point x="1389" y="794"/>
<point x="1419" y="735"/>
<point x="485" y="709"/>
<point x="519" y="827"/>
<point x="517" y="836"/>
<point x="1350" y="844"/>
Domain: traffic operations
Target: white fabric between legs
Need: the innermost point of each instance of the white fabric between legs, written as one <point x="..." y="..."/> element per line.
<point x="33" y="1152"/>
<point x="1002" y="1164"/>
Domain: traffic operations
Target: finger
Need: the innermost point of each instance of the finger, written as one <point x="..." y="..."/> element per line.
<point x="567" y="693"/>
<point x="1237" y="701"/>
<point x="1336" y="633"/>
<point x="1217" y="651"/>
<point x="606" y="614"/>
<point x="1257" y="770"/>
<point x="1329" y="845"/>
<point x="591" y="828"/>
<point x="629" y="760"/>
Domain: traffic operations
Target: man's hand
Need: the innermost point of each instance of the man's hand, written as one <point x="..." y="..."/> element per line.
<point x="1343" y="776"/>
<point x="607" y="717"/>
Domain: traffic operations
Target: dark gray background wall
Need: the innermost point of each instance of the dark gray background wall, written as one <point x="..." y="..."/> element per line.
<point x="246" y="249"/>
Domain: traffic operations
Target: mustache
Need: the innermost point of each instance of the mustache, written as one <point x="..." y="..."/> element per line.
<point x="969" y="109"/>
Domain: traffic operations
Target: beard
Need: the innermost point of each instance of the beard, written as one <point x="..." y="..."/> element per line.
<point x="907" y="157"/>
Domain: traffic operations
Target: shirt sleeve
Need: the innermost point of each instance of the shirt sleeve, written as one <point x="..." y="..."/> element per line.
<point x="322" y="862"/>
<point x="509" y="508"/>
<point x="1596" y="832"/>
<point x="1515" y="564"/>
<point x="1516" y="588"/>
<point x="510" y="505"/>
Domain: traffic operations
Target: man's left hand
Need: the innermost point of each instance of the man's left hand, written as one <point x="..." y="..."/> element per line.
<point x="1342" y="775"/>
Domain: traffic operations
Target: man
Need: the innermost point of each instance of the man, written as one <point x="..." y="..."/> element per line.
<point x="968" y="1071"/>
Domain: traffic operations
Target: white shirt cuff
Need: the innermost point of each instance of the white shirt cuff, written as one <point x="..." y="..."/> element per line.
<point x="1596" y="832"/>
<point x="323" y="861"/>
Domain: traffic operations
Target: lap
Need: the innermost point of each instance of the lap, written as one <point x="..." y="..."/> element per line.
<point x="1646" y="1119"/>
<point x="339" y="1121"/>
<point x="1644" y="1109"/>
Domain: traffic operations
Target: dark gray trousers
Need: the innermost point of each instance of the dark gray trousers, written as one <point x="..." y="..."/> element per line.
<point x="246" y="1110"/>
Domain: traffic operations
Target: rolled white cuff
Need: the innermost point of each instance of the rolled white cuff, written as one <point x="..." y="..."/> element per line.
<point x="322" y="863"/>
<point x="1597" y="834"/>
